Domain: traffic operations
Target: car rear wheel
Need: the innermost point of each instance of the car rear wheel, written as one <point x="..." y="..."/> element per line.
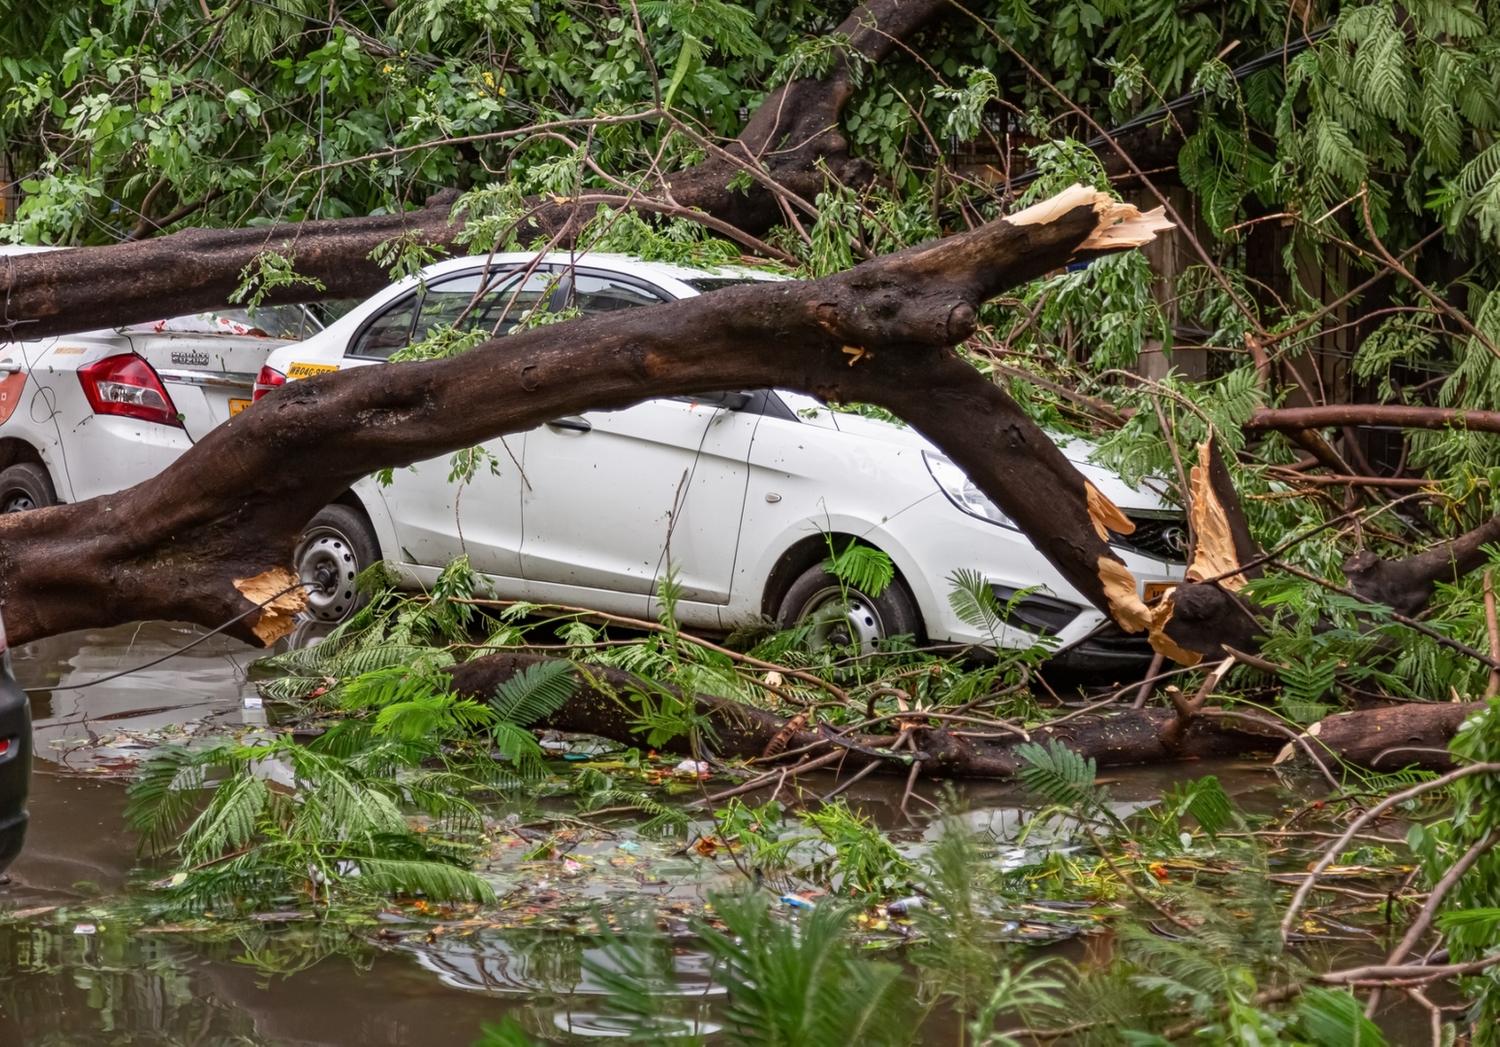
<point x="842" y="615"/>
<point x="25" y="485"/>
<point x="337" y="545"/>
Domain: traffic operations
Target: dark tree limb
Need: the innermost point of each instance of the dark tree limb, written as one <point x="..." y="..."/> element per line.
<point x="1407" y="584"/>
<point x="1398" y="416"/>
<point x="603" y="704"/>
<point x="1389" y="738"/>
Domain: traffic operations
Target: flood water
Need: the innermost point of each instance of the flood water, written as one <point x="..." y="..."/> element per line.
<point x="68" y="976"/>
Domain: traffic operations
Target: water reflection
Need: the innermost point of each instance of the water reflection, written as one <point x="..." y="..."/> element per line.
<point x="93" y="982"/>
<point x="90" y="724"/>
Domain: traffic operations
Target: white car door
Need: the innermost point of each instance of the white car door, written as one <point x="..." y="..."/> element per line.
<point x="436" y="517"/>
<point x="611" y="496"/>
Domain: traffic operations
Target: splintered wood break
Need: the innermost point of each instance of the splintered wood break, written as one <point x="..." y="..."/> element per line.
<point x="1214" y="554"/>
<point x="856" y="353"/>
<point x="1120" y="226"/>
<point x="1125" y="605"/>
<point x="279" y="616"/>
<point x="1161" y="614"/>
<point x="1290" y="749"/>
<point x="1105" y="515"/>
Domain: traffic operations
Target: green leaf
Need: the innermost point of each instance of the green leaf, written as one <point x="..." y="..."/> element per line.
<point x="1057" y="774"/>
<point x="535" y="692"/>
<point x="1334" y="1018"/>
<point x="686" y="59"/>
<point x="862" y="567"/>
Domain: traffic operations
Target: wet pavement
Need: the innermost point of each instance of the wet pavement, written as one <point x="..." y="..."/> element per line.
<point x="71" y="976"/>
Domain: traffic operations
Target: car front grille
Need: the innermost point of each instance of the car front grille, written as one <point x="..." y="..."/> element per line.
<point x="1160" y="535"/>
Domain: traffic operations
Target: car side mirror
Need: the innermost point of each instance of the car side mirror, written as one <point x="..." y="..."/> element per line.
<point x="730" y="401"/>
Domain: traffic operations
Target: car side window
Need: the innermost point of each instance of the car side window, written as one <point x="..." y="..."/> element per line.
<point x="600" y="294"/>
<point x="490" y="302"/>
<point x="389" y="331"/>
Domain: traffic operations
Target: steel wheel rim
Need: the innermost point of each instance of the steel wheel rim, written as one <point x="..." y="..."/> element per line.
<point x="16" y="501"/>
<point x="840" y="617"/>
<point x="326" y="562"/>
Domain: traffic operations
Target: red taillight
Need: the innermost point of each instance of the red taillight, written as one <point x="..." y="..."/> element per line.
<point x="127" y="385"/>
<point x="268" y="379"/>
<point x="4" y="747"/>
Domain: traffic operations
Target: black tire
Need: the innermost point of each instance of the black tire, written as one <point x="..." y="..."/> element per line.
<point x="337" y="544"/>
<point x="25" y="485"/>
<point x="843" y="614"/>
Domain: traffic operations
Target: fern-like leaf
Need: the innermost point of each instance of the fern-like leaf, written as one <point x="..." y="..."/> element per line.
<point x="1058" y="775"/>
<point x="534" y="693"/>
<point x="862" y="567"/>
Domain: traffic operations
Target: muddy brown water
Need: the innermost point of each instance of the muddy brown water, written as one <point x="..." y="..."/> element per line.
<point x="82" y="980"/>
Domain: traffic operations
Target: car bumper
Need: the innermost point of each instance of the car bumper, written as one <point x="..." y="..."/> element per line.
<point x="15" y="765"/>
<point x="934" y="540"/>
<point x="106" y="454"/>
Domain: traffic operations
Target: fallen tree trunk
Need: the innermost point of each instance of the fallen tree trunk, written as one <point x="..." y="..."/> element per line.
<point x="206" y="540"/>
<point x="1388" y="738"/>
<point x="602" y="705"/>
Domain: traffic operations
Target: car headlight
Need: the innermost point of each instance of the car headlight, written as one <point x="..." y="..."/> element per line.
<point x="954" y="483"/>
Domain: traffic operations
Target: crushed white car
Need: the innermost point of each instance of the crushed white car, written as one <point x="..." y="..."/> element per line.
<point x="742" y="492"/>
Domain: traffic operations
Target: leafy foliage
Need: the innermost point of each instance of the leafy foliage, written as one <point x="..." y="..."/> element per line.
<point x="862" y="567"/>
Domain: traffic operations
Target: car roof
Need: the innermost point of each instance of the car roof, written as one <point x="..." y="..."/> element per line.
<point x="620" y="263"/>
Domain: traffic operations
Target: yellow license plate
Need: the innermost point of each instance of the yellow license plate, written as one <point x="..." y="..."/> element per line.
<point x="237" y="405"/>
<point x="299" y="370"/>
<point x="1156" y="590"/>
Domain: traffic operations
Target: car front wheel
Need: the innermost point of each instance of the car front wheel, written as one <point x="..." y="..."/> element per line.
<point x="842" y="615"/>
<point x="23" y="486"/>
<point x="337" y="544"/>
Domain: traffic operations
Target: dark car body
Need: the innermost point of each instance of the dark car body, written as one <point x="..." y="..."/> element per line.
<point x="15" y="759"/>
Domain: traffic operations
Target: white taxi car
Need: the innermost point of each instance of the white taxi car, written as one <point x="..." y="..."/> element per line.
<point x="742" y="492"/>
<point x="88" y="414"/>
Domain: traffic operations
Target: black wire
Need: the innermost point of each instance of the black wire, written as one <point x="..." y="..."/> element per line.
<point x="170" y="654"/>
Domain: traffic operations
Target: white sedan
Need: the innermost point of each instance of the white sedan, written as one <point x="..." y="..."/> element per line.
<point x="743" y="493"/>
<point x="92" y="413"/>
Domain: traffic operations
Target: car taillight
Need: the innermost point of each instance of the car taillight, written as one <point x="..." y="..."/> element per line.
<point x="268" y="379"/>
<point x="127" y="385"/>
<point x="5" y="744"/>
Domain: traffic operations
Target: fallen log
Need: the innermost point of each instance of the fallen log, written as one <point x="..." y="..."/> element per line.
<point x="602" y="705"/>
<point x="1387" y="738"/>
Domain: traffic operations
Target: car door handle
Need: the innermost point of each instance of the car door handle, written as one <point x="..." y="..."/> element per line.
<point x="573" y="423"/>
<point x="9" y="367"/>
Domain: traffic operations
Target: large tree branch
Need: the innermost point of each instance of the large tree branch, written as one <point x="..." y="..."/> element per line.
<point x="1393" y="415"/>
<point x="187" y="543"/>
<point x="604" y="704"/>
